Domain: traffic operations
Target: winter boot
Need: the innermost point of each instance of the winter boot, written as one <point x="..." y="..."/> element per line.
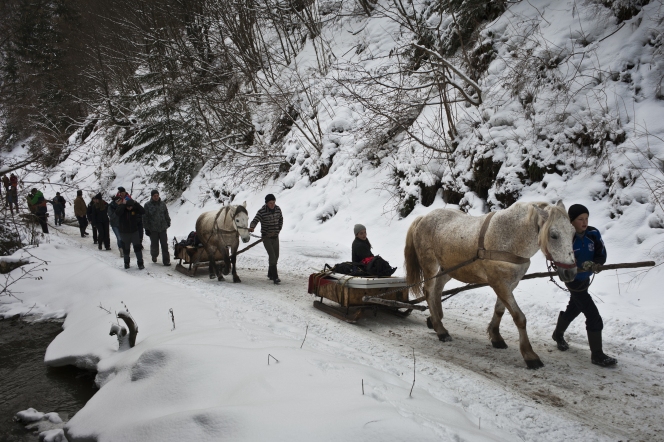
<point x="154" y="259"/>
<point x="126" y="264"/>
<point x="558" y="333"/>
<point x="140" y="265"/>
<point x="597" y="356"/>
<point x="275" y="275"/>
<point x="270" y="273"/>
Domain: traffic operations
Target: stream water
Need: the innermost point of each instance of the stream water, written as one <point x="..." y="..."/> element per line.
<point x="25" y="381"/>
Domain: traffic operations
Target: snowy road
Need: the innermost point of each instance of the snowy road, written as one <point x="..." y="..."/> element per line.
<point x="568" y="399"/>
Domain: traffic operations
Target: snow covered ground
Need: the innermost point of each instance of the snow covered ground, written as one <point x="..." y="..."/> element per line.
<point x="209" y="378"/>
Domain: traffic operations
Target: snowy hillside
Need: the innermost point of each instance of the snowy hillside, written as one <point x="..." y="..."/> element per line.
<point x="570" y="110"/>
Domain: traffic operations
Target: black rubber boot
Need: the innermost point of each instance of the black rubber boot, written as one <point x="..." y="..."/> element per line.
<point x="140" y="265"/>
<point x="126" y="264"/>
<point x="275" y="275"/>
<point x="270" y="272"/>
<point x="597" y="356"/>
<point x="559" y="333"/>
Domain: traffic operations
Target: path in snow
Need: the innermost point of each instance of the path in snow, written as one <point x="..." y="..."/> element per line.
<point x="567" y="397"/>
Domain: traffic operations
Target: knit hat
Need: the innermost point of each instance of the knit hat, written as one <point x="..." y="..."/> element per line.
<point x="57" y="193"/>
<point x="358" y="228"/>
<point x="121" y="189"/>
<point x="269" y="198"/>
<point x="575" y="210"/>
<point x="79" y="193"/>
<point x="153" y="192"/>
<point x="97" y="196"/>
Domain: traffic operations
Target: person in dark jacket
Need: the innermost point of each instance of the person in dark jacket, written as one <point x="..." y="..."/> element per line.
<point x="129" y="214"/>
<point x="271" y="221"/>
<point x="100" y="220"/>
<point x="12" y="199"/>
<point x="589" y="251"/>
<point x="81" y="211"/>
<point x="156" y="221"/>
<point x="58" y="208"/>
<point x="114" y="221"/>
<point x="37" y="200"/>
<point x="91" y="221"/>
<point x="361" y="246"/>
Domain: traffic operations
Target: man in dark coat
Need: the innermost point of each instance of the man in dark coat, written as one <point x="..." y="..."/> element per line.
<point x="99" y="219"/>
<point x="37" y="200"/>
<point x="80" y="211"/>
<point x="271" y="221"/>
<point x="129" y="214"/>
<point x="115" y="222"/>
<point x="58" y="208"/>
<point x="91" y="220"/>
<point x="156" y="221"/>
<point x="589" y="251"/>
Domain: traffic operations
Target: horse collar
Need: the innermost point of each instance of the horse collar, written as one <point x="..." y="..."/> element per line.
<point x="495" y="255"/>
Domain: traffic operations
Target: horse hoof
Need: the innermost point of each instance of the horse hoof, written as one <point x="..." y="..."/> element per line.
<point x="498" y="344"/>
<point x="212" y="276"/>
<point x="534" y="364"/>
<point x="220" y="278"/>
<point x="445" y="338"/>
<point x="236" y="279"/>
<point x="429" y="323"/>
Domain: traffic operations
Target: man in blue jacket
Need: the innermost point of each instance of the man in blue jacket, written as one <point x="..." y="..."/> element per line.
<point x="589" y="252"/>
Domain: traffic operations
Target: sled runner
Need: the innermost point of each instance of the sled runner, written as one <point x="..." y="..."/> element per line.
<point x="346" y="292"/>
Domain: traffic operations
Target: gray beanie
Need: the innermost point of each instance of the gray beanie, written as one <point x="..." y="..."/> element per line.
<point x="358" y="228"/>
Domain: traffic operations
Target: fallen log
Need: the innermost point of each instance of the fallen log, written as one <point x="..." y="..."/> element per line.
<point x="627" y="265"/>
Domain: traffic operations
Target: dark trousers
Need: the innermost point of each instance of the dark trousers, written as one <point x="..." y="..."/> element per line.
<point x="82" y="224"/>
<point x="127" y="240"/>
<point x="157" y="238"/>
<point x="103" y="234"/>
<point x="272" y="248"/>
<point x="94" y="232"/>
<point x="41" y="217"/>
<point x="580" y="301"/>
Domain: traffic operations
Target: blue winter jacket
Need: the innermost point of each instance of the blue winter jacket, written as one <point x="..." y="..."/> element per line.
<point x="588" y="247"/>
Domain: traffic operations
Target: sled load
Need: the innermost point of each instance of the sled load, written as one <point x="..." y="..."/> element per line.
<point x="352" y="296"/>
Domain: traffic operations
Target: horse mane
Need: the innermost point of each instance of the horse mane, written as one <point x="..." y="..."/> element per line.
<point x="241" y="209"/>
<point x="555" y="212"/>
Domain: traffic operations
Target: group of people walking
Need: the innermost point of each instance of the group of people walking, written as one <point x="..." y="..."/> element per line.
<point x="127" y="219"/>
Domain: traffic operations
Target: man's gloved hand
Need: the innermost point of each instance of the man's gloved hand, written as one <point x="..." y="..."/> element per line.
<point x="590" y="266"/>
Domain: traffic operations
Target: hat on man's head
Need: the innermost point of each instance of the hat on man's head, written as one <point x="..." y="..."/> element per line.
<point x="576" y="210"/>
<point x="269" y="197"/>
<point x="57" y="193"/>
<point x="33" y="190"/>
<point x="97" y="196"/>
<point x="155" y="191"/>
<point x="121" y="189"/>
<point x="79" y="193"/>
<point x="358" y="228"/>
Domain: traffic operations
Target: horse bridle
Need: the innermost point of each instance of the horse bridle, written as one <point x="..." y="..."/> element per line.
<point x="223" y="231"/>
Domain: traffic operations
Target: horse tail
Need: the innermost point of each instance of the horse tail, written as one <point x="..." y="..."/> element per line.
<point x="412" y="264"/>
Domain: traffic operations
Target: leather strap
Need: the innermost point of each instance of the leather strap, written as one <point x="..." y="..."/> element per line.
<point x="495" y="255"/>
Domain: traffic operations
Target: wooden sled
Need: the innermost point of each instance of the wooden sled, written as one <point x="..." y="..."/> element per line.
<point x="195" y="257"/>
<point x="346" y="293"/>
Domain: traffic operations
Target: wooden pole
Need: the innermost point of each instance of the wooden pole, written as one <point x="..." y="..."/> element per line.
<point x="628" y="265"/>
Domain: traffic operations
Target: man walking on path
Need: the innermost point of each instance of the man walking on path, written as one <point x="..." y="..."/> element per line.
<point x="115" y="222"/>
<point x="12" y="199"/>
<point x="6" y="184"/>
<point x="100" y="220"/>
<point x="589" y="251"/>
<point x="89" y="215"/>
<point x="80" y="211"/>
<point x="129" y="213"/>
<point x="58" y="208"/>
<point x="156" y="221"/>
<point x="271" y="221"/>
<point x="37" y="200"/>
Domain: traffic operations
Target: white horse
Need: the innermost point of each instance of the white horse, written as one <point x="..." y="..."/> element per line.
<point x="219" y="232"/>
<point x="499" y="250"/>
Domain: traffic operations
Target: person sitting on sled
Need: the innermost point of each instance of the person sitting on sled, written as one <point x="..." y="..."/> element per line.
<point x="589" y="252"/>
<point x="361" y="246"/>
